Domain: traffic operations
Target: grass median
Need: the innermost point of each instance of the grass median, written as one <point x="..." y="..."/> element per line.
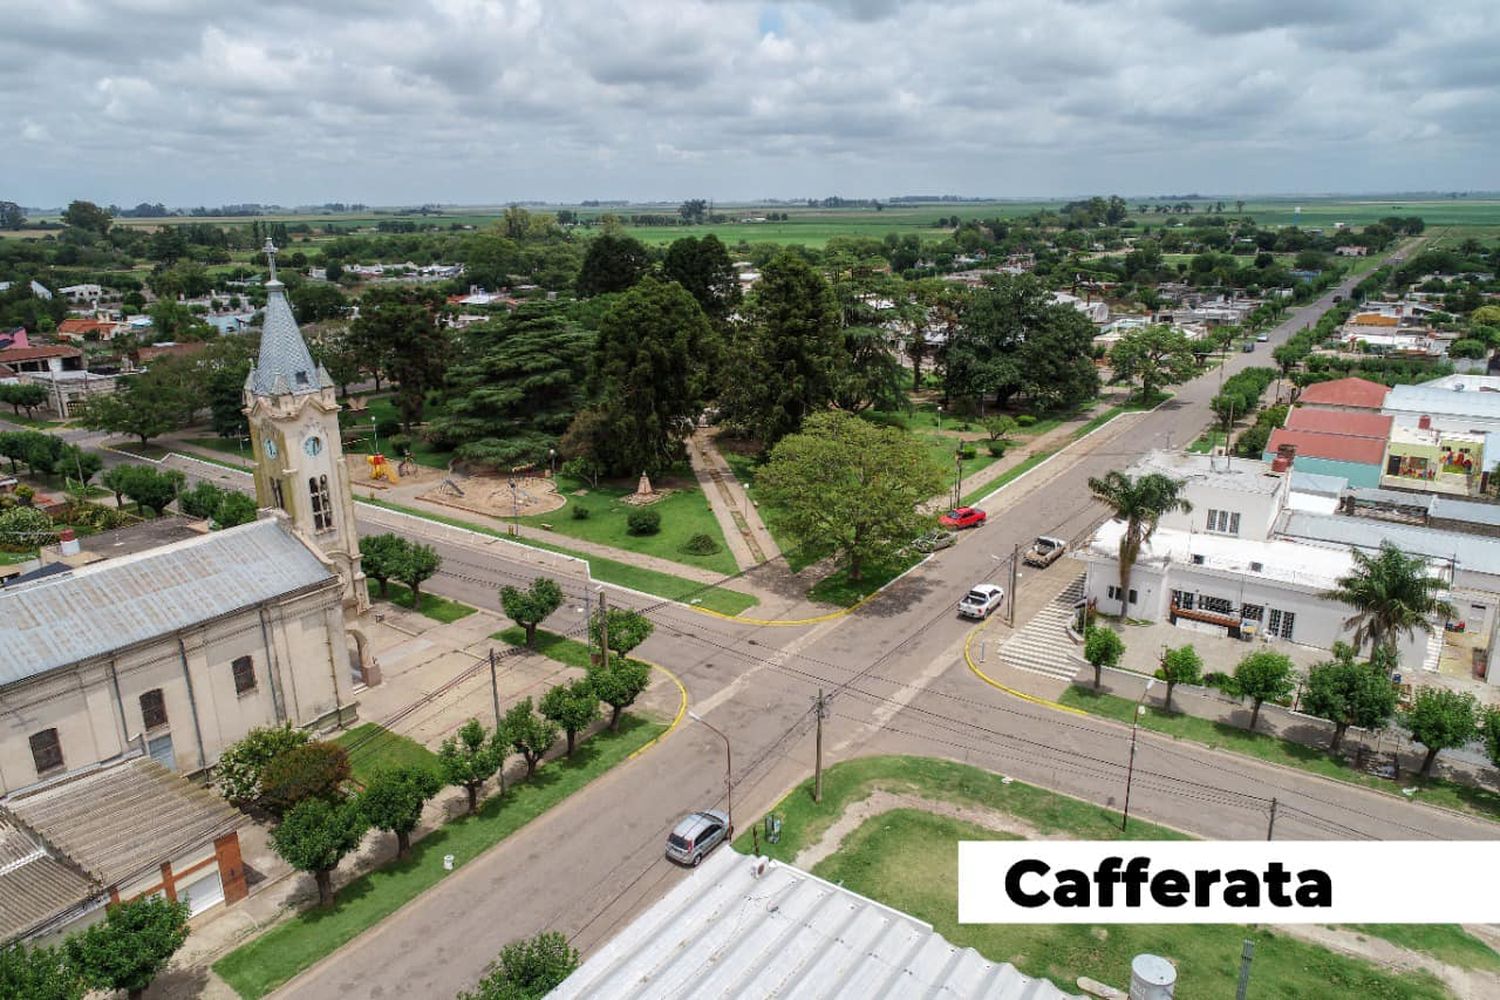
<point x="257" y="968"/>
<point x="1220" y="735"/>
<point x="371" y="747"/>
<point x="907" y="858"/>
<point x="437" y="608"/>
<point x="650" y="581"/>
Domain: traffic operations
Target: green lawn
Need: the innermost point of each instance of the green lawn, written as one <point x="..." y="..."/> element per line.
<point x="258" y="967"/>
<point x="434" y="607"/>
<point x="650" y="581"/>
<point x="909" y="859"/>
<point x="1009" y="475"/>
<point x="1481" y="802"/>
<point x="371" y="747"/>
<point x="569" y="652"/>
<point x="229" y="447"/>
<point x="36" y="423"/>
<point x="1207" y="442"/>
<point x="1446" y="942"/>
<point x="836" y="588"/>
<point x="684" y="513"/>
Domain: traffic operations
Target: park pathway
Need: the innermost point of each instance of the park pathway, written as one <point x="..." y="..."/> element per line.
<point x="746" y="533"/>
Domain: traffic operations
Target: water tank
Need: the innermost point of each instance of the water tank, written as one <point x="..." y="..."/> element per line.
<point x="1152" y="978"/>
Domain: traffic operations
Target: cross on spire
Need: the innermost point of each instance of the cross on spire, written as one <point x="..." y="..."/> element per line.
<point x="270" y="251"/>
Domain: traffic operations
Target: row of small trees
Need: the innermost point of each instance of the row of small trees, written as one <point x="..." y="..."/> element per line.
<point x="125" y="951"/>
<point x="390" y="557"/>
<point x="1343" y="690"/>
<point x="47" y="455"/>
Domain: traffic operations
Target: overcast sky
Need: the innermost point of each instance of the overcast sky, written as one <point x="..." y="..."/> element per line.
<point x="481" y="101"/>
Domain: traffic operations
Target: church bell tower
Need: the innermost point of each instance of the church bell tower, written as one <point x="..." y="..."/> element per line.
<point x="293" y="412"/>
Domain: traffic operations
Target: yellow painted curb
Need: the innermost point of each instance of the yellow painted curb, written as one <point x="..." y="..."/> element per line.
<point x="1033" y="699"/>
<point x="681" y="710"/>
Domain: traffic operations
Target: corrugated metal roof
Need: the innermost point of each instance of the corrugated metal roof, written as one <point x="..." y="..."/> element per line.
<point x="1312" y="482"/>
<point x="723" y="932"/>
<point x="1473" y="552"/>
<point x="119" y="821"/>
<point x="1446" y="402"/>
<point x="1465" y="510"/>
<point x="1391" y="498"/>
<point x="116" y="603"/>
<point x="34" y="886"/>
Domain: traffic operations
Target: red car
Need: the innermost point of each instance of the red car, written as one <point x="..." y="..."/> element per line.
<point x="963" y="517"/>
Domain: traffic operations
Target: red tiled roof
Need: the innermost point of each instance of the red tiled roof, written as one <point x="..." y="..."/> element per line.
<point x="85" y="326"/>
<point x="1356" y="392"/>
<point x="16" y="354"/>
<point x="1366" y="425"/>
<point x="1334" y="447"/>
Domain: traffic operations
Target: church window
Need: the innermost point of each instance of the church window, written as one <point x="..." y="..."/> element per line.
<point x="278" y="500"/>
<point x="153" y="709"/>
<point x="46" y="751"/>
<point x="244" y="675"/>
<point x="322" y="504"/>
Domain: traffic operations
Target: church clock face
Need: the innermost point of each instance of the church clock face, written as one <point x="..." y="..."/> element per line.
<point x="313" y="446"/>
<point x="270" y="448"/>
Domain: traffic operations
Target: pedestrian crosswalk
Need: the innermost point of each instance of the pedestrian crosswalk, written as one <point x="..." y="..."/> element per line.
<point x="1043" y="646"/>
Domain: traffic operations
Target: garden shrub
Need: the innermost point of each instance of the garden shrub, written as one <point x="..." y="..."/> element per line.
<point x="239" y="768"/>
<point x="23" y="528"/>
<point x="580" y="512"/>
<point x="701" y="544"/>
<point x="1026" y="420"/>
<point x="998" y="448"/>
<point x="312" y="770"/>
<point x="643" y="521"/>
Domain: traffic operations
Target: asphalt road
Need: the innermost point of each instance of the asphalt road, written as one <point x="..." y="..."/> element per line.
<point x="899" y="684"/>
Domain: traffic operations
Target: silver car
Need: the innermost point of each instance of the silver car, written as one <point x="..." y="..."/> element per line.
<point x="696" y="835"/>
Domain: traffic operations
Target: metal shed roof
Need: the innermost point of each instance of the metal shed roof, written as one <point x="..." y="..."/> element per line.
<point x="724" y="932"/>
<point x="34" y="886"/>
<point x="113" y="604"/>
<point x="119" y="821"/>
<point x="1474" y="553"/>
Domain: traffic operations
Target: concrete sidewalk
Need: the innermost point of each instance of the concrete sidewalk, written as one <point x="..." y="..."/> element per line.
<point x="747" y="535"/>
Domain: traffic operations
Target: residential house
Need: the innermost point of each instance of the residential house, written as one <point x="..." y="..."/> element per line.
<point x="1351" y="250"/>
<point x="76" y="329"/>
<point x="86" y="294"/>
<point x="38" y="289"/>
<point x="14" y="338"/>
<point x="1345" y="394"/>
<point x="1436" y="461"/>
<point x="111" y="834"/>
<point x="1096" y="311"/>
<point x="1349" y="445"/>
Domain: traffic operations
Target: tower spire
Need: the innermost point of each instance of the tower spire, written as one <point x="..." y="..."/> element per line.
<point x="285" y="364"/>
<point x="270" y="252"/>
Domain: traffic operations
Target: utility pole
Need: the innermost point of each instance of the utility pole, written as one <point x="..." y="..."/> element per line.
<point x="1271" y="826"/>
<point x="1246" y="954"/>
<point x="603" y="630"/>
<point x="822" y="708"/>
<point x="495" y="694"/>
<point x="1015" y="563"/>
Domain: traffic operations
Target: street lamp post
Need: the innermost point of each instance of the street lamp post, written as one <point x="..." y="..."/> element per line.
<point x="375" y="430"/>
<point x="958" y="476"/>
<point x="728" y="764"/>
<point x="515" y="508"/>
<point x="552" y="462"/>
<point x="940" y="417"/>
<point x="1135" y="718"/>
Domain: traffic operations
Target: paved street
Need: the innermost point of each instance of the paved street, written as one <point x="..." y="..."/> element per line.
<point x="900" y="684"/>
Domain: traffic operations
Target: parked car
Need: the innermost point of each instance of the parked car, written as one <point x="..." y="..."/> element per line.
<point x="1261" y="338"/>
<point x="1045" y="551"/>
<point x="963" y="517"/>
<point x="696" y="835"/>
<point x="935" y="540"/>
<point x="981" y="601"/>
<point x="1248" y="346"/>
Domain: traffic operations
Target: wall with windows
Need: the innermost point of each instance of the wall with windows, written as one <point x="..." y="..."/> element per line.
<point x="183" y="697"/>
<point x="1216" y="504"/>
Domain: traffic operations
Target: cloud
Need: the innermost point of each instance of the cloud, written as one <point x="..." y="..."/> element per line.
<point x="493" y="100"/>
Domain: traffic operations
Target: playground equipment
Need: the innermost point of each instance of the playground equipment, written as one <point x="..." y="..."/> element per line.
<point x="381" y="469"/>
<point x="449" y="486"/>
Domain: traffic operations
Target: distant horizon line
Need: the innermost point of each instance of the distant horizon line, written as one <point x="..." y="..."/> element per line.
<point x="900" y="199"/>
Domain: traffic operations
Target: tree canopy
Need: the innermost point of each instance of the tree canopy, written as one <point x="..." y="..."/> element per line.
<point x="131" y="946"/>
<point x="1153" y="356"/>
<point x="1392" y="594"/>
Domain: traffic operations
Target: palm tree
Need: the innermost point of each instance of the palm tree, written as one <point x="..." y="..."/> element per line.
<point x="1140" y="503"/>
<point x="1392" y="596"/>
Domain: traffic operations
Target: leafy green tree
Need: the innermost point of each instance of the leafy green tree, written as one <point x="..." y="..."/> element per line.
<point x="1154" y="356"/>
<point x="613" y="263"/>
<point x="1489" y="731"/>
<point x="235" y="509"/>
<point x="38" y="973"/>
<point x="627" y="630"/>
<point x="530" y="607"/>
<point x="573" y="707"/>
<point x="1102" y="647"/>
<point x="869" y="373"/>
<point x="23" y="395"/>
<point x="13" y="445"/>
<point x="237" y="772"/>
<point x="316" y="301"/>
<point x="151" y="489"/>
<point x="318" y="769"/>
<point x="12" y="216"/>
<point x="702" y="266"/>
<point x="527" y="970"/>
<point x="1182" y="665"/>
<point x="999" y="426"/>
<point x="316" y="835"/>
<point x="512" y="396"/>
<point x="161" y="399"/>
<point x="225" y="387"/>
<point x="88" y="216"/>
<point x="1263" y="675"/>
<point x="1392" y="594"/>
<point x="82" y="465"/>
<point x="23" y="528"/>
<point x="618" y="684"/>
<point x="394" y="798"/>
<point x="531" y="734"/>
<point x="418" y="563"/>
<point x="381" y="558"/>
<point x="850" y="485"/>
<point x="1441" y="719"/>
<point x="1140" y="503"/>
<point x="202" y="501"/>
<point x="470" y="758"/>
<point x="398" y="331"/>
<point x="653" y="366"/>
<point x="132" y="946"/>
<point x="787" y="359"/>
<point x="1348" y="693"/>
